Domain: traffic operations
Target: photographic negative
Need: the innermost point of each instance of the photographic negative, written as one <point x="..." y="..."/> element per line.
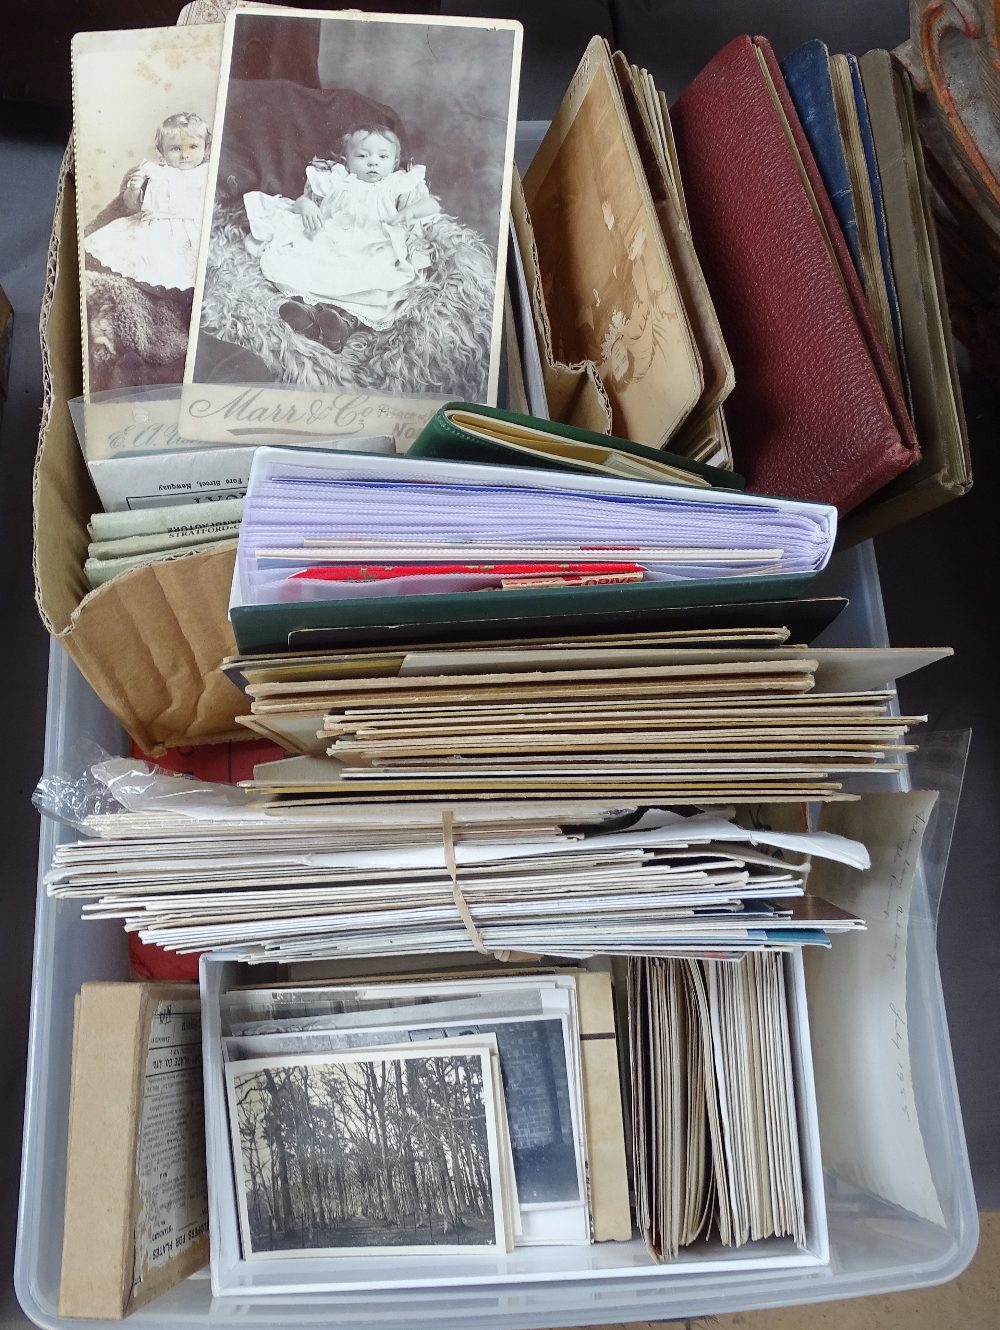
<point x="352" y="1153"/>
<point x="144" y="104"/>
<point x="351" y="278"/>
<point x="608" y="283"/>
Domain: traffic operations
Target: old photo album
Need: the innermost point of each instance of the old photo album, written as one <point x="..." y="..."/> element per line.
<point x="350" y="276"/>
<point x="619" y="288"/>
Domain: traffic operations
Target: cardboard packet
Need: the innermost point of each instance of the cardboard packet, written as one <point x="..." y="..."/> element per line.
<point x="136" y="1215"/>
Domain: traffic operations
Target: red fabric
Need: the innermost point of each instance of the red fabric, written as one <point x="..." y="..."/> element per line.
<point x="817" y="411"/>
<point x="147" y="961"/>
<point x="225" y="764"/>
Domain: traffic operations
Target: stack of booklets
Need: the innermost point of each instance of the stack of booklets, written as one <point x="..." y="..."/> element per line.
<point x="860" y="121"/>
<point x="453" y="1114"/>
<point x="806" y="199"/>
<point x="620" y="286"/>
<point x="826" y="279"/>
<point x="539" y="878"/>
<point x="123" y="540"/>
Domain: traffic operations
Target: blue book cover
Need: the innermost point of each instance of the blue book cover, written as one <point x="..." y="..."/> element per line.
<point x="807" y="74"/>
<point x="875" y="182"/>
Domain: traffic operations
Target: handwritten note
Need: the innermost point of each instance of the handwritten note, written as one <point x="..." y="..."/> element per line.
<point x="869" y="1127"/>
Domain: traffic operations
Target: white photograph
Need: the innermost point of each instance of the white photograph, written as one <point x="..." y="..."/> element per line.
<point x="348" y="1153"/>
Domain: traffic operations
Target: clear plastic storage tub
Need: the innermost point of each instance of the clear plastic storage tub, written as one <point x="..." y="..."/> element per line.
<point x="875" y="1246"/>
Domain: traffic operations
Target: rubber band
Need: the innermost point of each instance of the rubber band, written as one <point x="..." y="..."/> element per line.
<point x="461" y="904"/>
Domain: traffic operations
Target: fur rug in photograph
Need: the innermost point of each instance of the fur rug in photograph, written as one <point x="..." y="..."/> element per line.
<point x="136" y="335"/>
<point x="440" y="344"/>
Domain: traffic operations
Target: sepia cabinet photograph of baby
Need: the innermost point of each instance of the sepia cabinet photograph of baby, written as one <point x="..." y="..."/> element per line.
<point x="361" y="186"/>
<point x="144" y="103"/>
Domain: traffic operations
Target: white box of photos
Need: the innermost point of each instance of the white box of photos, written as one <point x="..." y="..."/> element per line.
<point x="387" y="1272"/>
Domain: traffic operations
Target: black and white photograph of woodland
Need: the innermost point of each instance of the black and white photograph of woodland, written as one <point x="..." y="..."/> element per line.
<point x="343" y="1154"/>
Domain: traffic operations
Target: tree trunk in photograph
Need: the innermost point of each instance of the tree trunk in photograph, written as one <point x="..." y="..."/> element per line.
<point x="470" y="1167"/>
<point x="286" y="1209"/>
<point x="428" y="1190"/>
<point x="448" y="1097"/>
<point x="277" y="1217"/>
<point x="470" y="1146"/>
<point x="336" y="1167"/>
<point x="372" y="1124"/>
<point x="257" y="1179"/>
<point x="448" y="1199"/>
<point x="315" y="1160"/>
<point x="296" y="1093"/>
<point x="485" y="1187"/>
<point x="381" y="1086"/>
<point x="409" y="1165"/>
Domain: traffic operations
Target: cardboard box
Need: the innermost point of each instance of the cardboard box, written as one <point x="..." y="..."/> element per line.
<point x="151" y="641"/>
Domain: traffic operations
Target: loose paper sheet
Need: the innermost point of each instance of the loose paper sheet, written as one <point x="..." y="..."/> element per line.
<point x="173" y="1203"/>
<point x="858" y="1010"/>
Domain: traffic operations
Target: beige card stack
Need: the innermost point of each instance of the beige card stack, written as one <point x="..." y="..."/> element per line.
<point x="715" y="1141"/>
<point x="643" y="724"/>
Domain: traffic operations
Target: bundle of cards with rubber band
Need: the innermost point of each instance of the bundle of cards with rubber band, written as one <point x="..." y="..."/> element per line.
<point x="654" y="883"/>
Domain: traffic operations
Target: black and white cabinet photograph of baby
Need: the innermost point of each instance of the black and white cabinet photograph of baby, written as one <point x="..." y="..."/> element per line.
<point x="141" y="187"/>
<point x="358" y="235"/>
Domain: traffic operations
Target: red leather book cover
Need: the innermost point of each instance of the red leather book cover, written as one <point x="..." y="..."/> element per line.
<point x="817" y="411"/>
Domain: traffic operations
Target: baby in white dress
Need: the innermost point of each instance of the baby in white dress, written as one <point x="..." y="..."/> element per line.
<point x="157" y="244"/>
<point x="350" y="247"/>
